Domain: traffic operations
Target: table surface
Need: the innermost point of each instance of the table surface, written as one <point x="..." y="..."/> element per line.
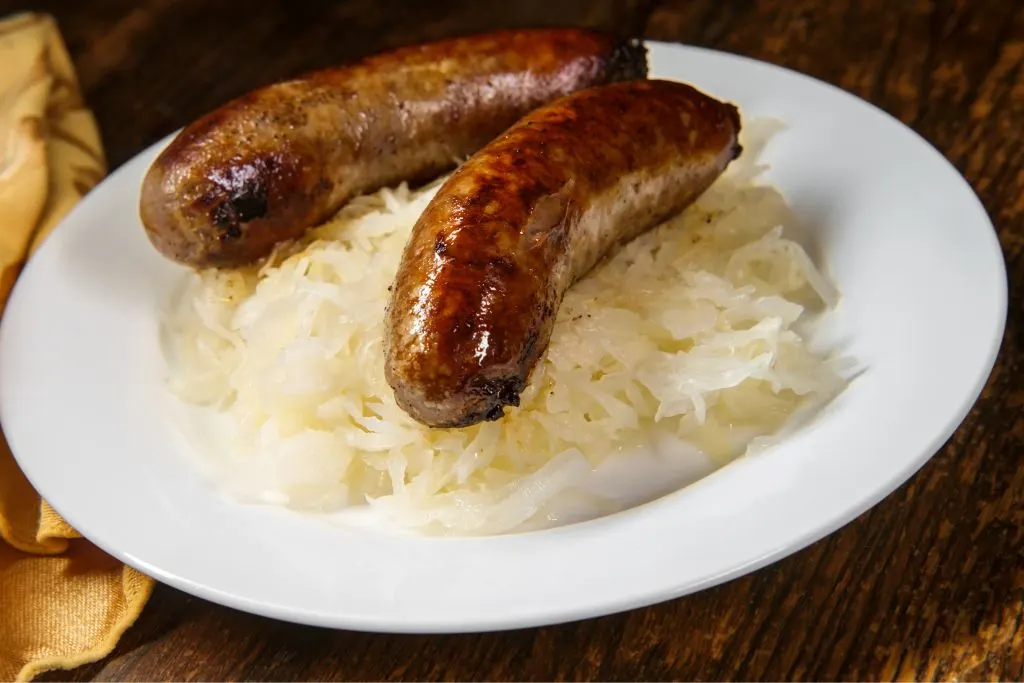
<point x="927" y="585"/>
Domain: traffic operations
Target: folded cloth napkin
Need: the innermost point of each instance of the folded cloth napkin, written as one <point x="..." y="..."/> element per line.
<point x="63" y="602"/>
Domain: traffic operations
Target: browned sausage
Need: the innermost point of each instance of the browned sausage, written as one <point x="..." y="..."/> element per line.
<point x="269" y="165"/>
<point x="481" y="279"/>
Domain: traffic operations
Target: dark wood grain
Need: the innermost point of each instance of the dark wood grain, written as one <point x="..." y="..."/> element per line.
<point x="927" y="585"/>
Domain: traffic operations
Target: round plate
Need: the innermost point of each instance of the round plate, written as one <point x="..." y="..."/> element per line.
<point x="83" y="403"/>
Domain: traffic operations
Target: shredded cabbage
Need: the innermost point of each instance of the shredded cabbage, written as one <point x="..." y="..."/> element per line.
<point x="687" y="331"/>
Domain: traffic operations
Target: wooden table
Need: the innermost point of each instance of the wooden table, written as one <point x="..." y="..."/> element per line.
<point x="927" y="585"/>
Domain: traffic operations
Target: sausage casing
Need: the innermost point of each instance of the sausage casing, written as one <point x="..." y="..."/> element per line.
<point x="480" y="281"/>
<point x="267" y="166"/>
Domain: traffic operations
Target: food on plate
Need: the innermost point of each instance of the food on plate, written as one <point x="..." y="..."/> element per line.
<point x="267" y="166"/>
<point x="478" y="289"/>
<point x="679" y="352"/>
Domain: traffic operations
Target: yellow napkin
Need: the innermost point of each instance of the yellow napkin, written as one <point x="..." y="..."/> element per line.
<point x="63" y="602"/>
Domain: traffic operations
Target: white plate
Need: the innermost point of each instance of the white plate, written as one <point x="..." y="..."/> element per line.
<point x="910" y="246"/>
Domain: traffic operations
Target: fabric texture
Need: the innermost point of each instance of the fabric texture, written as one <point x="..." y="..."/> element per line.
<point x="63" y="602"/>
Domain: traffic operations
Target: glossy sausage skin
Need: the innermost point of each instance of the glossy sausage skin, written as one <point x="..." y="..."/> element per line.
<point x="266" y="167"/>
<point x="487" y="264"/>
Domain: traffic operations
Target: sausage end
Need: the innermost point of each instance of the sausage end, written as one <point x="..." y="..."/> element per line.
<point x="485" y="401"/>
<point x="628" y="61"/>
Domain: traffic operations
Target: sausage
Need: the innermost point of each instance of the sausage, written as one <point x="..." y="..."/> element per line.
<point x="482" y="276"/>
<point x="269" y="165"/>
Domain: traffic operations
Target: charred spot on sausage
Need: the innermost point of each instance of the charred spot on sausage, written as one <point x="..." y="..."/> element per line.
<point x="504" y="391"/>
<point x="250" y="205"/>
<point x="223" y="215"/>
<point x="628" y="61"/>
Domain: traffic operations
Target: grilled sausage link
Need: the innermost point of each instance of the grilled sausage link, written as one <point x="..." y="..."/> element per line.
<point x="267" y="166"/>
<point x="481" y="279"/>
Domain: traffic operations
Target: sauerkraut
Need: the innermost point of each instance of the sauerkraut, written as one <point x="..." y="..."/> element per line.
<point x="688" y="333"/>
